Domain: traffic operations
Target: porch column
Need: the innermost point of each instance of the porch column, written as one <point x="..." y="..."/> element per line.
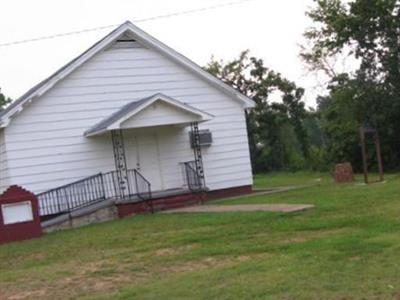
<point x="198" y="158"/>
<point x="120" y="163"/>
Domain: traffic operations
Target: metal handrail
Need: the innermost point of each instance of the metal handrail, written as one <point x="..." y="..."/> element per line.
<point x="69" y="184"/>
<point x="90" y="190"/>
<point x="69" y="197"/>
<point x="193" y="178"/>
<point x="143" y="186"/>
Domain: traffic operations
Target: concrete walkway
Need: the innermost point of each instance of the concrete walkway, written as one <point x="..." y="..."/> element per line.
<point x="266" y="191"/>
<point x="282" y="207"/>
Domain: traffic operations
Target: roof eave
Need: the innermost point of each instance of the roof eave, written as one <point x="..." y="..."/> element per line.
<point x="126" y="112"/>
<point x="151" y="100"/>
<point x="64" y="71"/>
<point x="94" y="133"/>
<point x="171" y="53"/>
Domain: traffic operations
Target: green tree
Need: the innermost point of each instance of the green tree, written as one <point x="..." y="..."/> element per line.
<point x="277" y="137"/>
<point x="369" y="32"/>
<point x="3" y="100"/>
<point x="340" y="123"/>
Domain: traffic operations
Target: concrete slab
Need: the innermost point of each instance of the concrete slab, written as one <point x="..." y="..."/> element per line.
<point x="281" y="207"/>
<point x="78" y="213"/>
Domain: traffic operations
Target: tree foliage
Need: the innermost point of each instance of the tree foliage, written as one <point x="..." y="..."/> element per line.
<point x="4" y="100"/>
<point x="368" y="31"/>
<point x="277" y="135"/>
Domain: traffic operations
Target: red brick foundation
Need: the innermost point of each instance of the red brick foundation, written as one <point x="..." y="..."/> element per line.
<point x="236" y="191"/>
<point x="170" y="202"/>
<point x="158" y="204"/>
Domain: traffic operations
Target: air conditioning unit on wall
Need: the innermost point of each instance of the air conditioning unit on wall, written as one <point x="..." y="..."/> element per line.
<point x="205" y="138"/>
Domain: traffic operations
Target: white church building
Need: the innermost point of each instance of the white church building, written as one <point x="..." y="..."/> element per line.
<point x="129" y="117"/>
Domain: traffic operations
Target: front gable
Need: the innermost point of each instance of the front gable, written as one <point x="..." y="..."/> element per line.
<point x="156" y="110"/>
<point x="159" y="114"/>
<point x="125" y="37"/>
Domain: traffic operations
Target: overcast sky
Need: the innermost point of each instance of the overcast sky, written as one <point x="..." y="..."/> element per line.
<point x="270" y="29"/>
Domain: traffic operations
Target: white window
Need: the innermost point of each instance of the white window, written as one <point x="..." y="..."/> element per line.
<point x="17" y="212"/>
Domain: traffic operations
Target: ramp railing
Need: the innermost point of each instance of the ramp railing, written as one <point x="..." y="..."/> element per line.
<point x="91" y="190"/>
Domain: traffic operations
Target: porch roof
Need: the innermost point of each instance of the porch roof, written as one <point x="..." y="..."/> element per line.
<point x="137" y="114"/>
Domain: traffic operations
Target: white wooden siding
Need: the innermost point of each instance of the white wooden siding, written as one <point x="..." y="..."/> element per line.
<point x="159" y="113"/>
<point x="45" y="143"/>
<point x="3" y="163"/>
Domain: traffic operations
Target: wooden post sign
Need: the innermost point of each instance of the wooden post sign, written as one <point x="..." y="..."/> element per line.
<point x="19" y="215"/>
<point x="368" y="131"/>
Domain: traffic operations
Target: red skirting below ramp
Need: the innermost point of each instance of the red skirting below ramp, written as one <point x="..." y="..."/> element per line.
<point x="170" y="202"/>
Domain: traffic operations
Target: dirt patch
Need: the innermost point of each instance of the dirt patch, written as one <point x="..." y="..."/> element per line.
<point x="92" y="278"/>
<point x="304" y="236"/>
<point x="299" y="236"/>
<point x="173" y="250"/>
<point x="35" y="294"/>
<point x="85" y="278"/>
<point x="206" y="263"/>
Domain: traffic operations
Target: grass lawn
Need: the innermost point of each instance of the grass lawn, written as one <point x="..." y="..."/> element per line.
<point x="278" y="179"/>
<point x="348" y="247"/>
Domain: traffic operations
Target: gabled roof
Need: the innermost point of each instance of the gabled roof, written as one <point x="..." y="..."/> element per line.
<point x="140" y="36"/>
<point x="131" y="109"/>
